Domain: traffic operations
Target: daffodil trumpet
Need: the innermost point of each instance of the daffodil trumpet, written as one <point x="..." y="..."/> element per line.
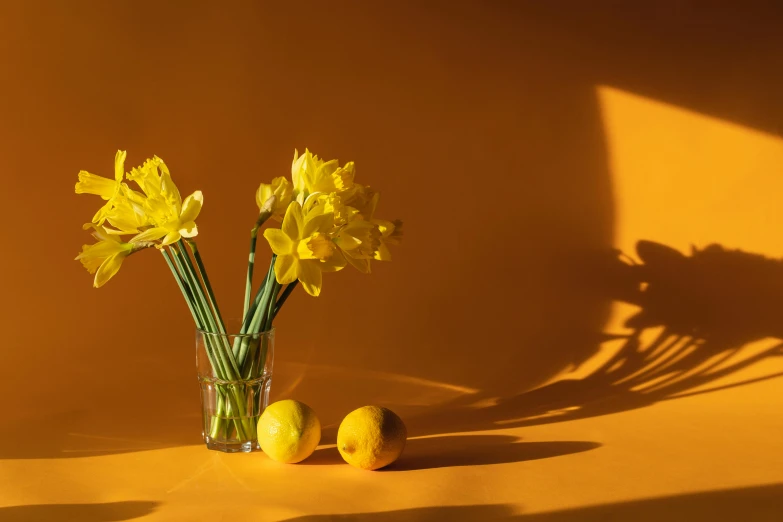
<point x="324" y="221"/>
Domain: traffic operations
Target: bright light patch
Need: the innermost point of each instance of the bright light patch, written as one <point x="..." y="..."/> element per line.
<point x="682" y="178"/>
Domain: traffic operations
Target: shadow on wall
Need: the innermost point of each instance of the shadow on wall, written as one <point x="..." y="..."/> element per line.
<point x="109" y="512"/>
<point x="698" y="318"/>
<point x="759" y="504"/>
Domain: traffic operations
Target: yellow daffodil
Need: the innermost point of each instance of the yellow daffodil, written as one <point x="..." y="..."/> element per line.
<point x="175" y="221"/>
<point x="302" y="168"/>
<point x="169" y="217"/>
<point x="359" y="240"/>
<point x="148" y="177"/>
<point x="108" y="189"/>
<point x="333" y="203"/>
<point x="128" y="215"/>
<point x="283" y="192"/>
<point x="105" y="257"/>
<point x="330" y="177"/>
<point x="304" y="248"/>
<point x="312" y="175"/>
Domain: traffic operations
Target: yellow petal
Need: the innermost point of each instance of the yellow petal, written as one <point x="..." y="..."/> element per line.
<point x="109" y="268"/>
<point x="188" y="229"/>
<point x="90" y="263"/>
<point x="171" y="237"/>
<point x="150" y="235"/>
<point x="119" y="165"/>
<point x="102" y="213"/>
<point x="101" y="250"/>
<point x="309" y="275"/>
<point x="147" y="176"/>
<point x="93" y="184"/>
<point x="104" y="233"/>
<point x="334" y="263"/>
<point x="297" y="171"/>
<point x="285" y="269"/>
<point x="280" y="243"/>
<point x="192" y="207"/>
<point x="308" y="170"/>
<point x="263" y="193"/>
<point x="293" y="222"/>
<point x="318" y="223"/>
<point x="321" y="180"/>
<point x="344" y="176"/>
<point x="362" y="265"/>
<point x="317" y="246"/>
<point x="169" y="190"/>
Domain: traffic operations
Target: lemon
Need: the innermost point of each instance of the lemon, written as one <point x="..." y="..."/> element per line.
<point x="288" y="431"/>
<point x="371" y="437"/>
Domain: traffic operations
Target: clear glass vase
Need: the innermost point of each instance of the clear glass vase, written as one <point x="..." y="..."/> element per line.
<point x="235" y="375"/>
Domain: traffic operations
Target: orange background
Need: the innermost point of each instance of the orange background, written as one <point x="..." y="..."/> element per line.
<point x="521" y="143"/>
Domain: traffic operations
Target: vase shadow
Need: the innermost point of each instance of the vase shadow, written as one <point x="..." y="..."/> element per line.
<point x="108" y="512"/>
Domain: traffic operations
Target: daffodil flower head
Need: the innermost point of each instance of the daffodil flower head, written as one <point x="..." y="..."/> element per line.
<point x="312" y="175"/>
<point x="168" y="216"/>
<point x="330" y="203"/>
<point x="105" y="257"/>
<point x="283" y="191"/>
<point x="108" y="189"/>
<point x="302" y="169"/>
<point x="148" y="176"/>
<point x="358" y="241"/>
<point x="128" y="215"/>
<point x="304" y="248"/>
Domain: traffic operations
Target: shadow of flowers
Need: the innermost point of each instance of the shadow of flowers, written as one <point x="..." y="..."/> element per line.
<point x="699" y="319"/>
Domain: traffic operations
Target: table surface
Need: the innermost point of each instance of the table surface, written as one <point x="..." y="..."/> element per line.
<point x="575" y="450"/>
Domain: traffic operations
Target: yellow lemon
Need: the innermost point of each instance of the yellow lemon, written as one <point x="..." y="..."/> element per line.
<point x="288" y="431"/>
<point x="371" y="437"/>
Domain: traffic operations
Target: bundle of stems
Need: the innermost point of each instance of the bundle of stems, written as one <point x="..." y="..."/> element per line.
<point x="233" y="363"/>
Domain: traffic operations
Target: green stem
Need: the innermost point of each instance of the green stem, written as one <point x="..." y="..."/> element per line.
<point x="260" y="311"/>
<point x="265" y="213"/>
<point x="257" y="363"/>
<point x="266" y="324"/>
<point x="251" y="260"/>
<point x="251" y="362"/>
<point x="218" y="425"/>
<point x="218" y="422"/>
<point x="229" y="363"/>
<point x="229" y="369"/>
<point x="185" y="291"/>
<point x="202" y="270"/>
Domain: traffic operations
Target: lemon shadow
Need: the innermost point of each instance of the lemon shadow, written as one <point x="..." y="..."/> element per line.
<point x="464" y="450"/>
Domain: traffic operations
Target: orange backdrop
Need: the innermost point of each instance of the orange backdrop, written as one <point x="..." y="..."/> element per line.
<point x="524" y="145"/>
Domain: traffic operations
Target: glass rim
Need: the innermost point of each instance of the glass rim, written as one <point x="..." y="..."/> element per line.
<point x="266" y="333"/>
